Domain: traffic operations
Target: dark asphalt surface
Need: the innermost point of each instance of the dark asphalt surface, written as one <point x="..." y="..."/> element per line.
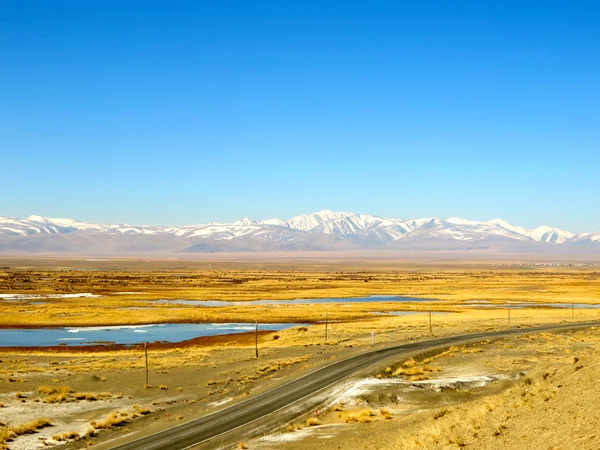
<point x="216" y="424"/>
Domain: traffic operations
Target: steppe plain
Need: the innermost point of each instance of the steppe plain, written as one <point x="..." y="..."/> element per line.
<point x="82" y="396"/>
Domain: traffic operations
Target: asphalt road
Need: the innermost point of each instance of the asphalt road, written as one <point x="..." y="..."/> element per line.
<point x="217" y="424"/>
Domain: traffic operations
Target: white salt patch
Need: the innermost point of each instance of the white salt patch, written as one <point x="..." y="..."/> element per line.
<point x="321" y="431"/>
<point x="348" y="392"/>
<point x="221" y="402"/>
<point x="108" y="328"/>
<point x="42" y="296"/>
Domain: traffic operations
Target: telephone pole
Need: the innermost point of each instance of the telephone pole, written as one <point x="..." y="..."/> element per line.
<point x="256" y="340"/>
<point x="326" y="330"/>
<point x="146" y="353"/>
<point x="430" y="326"/>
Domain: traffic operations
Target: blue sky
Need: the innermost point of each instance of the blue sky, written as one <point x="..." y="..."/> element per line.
<point x="186" y="112"/>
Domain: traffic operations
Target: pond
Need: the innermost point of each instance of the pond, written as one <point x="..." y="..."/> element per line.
<point x="130" y="334"/>
<point x="312" y="301"/>
<point x="519" y="305"/>
<point x="409" y="313"/>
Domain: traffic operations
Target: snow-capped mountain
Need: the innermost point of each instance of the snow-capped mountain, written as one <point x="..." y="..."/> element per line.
<point x="322" y="230"/>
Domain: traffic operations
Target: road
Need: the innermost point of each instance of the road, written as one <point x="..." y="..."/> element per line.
<point x="217" y="424"/>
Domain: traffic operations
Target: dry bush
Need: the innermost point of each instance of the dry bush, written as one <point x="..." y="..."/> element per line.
<point x="163" y="387"/>
<point x="31" y="427"/>
<point x="92" y="396"/>
<point x="385" y="413"/>
<point x="59" y="397"/>
<point x="471" y="350"/>
<point x="141" y="410"/>
<point x="415" y="371"/>
<point x="409" y="363"/>
<point x="48" y="390"/>
<point x="113" y="419"/>
<point x="5" y="435"/>
<point x="67" y="436"/>
<point x="312" y="422"/>
<point x="363" y="416"/>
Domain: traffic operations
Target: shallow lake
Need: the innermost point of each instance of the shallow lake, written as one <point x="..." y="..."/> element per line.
<point x="134" y="334"/>
<point x="311" y="301"/>
<point x="520" y="305"/>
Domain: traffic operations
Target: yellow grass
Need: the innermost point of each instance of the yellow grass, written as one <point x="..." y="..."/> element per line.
<point x="113" y="419"/>
<point x="312" y="422"/>
<point x="362" y="416"/>
<point x="451" y="284"/>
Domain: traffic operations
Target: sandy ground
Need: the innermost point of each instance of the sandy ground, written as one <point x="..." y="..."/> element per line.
<point x="481" y="397"/>
<point x="535" y="392"/>
<point x="202" y="380"/>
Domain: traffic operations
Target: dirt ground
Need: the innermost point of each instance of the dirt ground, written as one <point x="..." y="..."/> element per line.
<point x="529" y="392"/>
<point x="80" y="397"/>
<point x="189" y="382"/>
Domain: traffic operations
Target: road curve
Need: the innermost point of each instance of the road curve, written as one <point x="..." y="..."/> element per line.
<point x="216" y="424"/>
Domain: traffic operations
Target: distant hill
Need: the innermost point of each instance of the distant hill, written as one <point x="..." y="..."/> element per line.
<point x="319" y="231"/>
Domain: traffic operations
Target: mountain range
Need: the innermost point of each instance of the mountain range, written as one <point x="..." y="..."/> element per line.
<point x="324" y="231"/>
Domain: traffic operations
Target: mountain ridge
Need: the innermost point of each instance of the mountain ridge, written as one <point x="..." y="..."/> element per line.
<point x="322" y="230"/>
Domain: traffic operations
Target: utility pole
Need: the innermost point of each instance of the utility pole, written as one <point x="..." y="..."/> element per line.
<point x="430" y="327"/>
<point x="146" y="353"/>
<point x="508" y="309"/>
<point x="326" y="318"/>
<point x="256" y="340"/>
<point x="372" y="338"/>
<point x="572" y="310"/>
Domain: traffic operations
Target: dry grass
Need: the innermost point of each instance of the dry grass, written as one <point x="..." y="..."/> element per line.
<point x="362" y="416"/>
<point x="447" y="283"/>
<point x="312" y="422"/>
<point x="141" y="410"/>
<point x="92" y="396"/>
<point x="7" y="434"/>
<point x="48" y="390"/>
<point x="462" y="425"/>
<point x="67" y="436"/>
<point x="114" y="419"/>
<point x="386" y="413"/>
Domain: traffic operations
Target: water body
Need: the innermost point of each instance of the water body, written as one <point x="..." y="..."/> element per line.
<point x="312" y="301"/>
<point x="519" y="305"/>
<point x="133" y="334"/>
<point x="409" y="313"/>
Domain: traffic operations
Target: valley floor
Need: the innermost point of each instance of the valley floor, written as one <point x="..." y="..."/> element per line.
<point x="98" y="395"/>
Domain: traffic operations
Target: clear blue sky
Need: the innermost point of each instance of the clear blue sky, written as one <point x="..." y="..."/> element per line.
<point x="185" y="112"/>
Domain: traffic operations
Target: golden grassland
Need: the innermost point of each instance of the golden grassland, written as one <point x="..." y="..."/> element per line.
<point x="127" y="296"/>
<point x="542" y="284"/>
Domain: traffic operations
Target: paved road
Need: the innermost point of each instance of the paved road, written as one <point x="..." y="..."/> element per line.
<point x="240" y="414"/>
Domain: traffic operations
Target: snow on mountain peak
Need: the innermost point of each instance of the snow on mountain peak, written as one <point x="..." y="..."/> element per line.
<point x="352" y="228"/>
<point x="245" y="221"/>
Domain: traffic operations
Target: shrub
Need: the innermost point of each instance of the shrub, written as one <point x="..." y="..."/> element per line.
<point x="364" y="416"/>
<point x="31" y="427"/>
<point x="312" y="422"/>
